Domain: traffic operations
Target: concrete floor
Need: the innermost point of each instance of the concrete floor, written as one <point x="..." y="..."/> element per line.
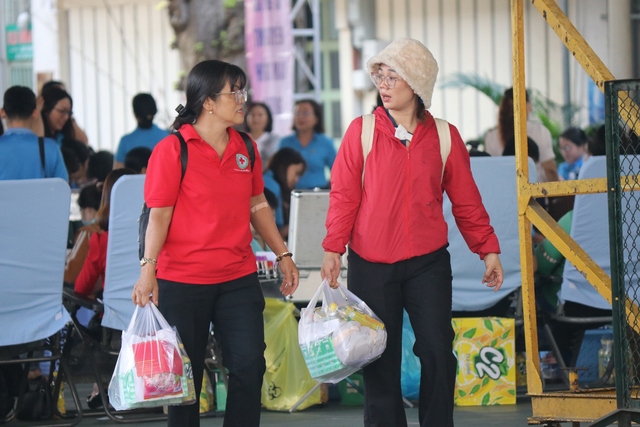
<point x="334" y="414"/>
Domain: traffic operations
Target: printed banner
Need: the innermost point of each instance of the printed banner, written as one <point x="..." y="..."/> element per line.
<point x="270" y="58"/>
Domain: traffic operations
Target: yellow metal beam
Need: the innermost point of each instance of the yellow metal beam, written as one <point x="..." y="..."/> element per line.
<point x="583" y="406"/>
<point x="591" y="63"/>
<point x="570" y="249"/>
<point x="534" y="381"/>
<point x="579" y="186"/>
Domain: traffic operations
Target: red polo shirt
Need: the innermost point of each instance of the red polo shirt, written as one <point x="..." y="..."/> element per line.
<point x="209" y="238"/>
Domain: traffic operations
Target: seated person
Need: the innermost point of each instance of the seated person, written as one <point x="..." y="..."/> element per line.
<point x="573" y="146"/>
<point x="20" y="156"/>
<point x="281" y="175"/>
<point x="100" y="164"/>
<point x="90" y="281"/>
<point x="137" y="159"/>
<point x="89" y="203"/>
<point x="81" y="152"/>
<point x="510" y="149"/>
<point x="146" y="134"/>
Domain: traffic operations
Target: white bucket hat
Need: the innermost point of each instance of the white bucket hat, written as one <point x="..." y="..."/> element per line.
<point x="413" y="62"/>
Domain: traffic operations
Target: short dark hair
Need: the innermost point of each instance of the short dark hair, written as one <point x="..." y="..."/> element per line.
<point x="100" y="164"/>
<point x="89" y="197"/>
<point x="532" y="146"/>
<point x="81" y="150"/>
<point x="575" y="135"/>
<point x="137" y="158"/>
<point x="251" y="106"/>
<point x="206" y="80"/>
<point x="19" y="102"/>
<point x="144" y="108"/>
<point x="71" y="161"/>
<point x="317" y="111"/>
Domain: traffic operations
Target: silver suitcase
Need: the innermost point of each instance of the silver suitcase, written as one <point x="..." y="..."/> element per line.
<point x="306" y="227"/>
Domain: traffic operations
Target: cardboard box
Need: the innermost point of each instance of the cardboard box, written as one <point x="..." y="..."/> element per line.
<point x="485" y="348"/>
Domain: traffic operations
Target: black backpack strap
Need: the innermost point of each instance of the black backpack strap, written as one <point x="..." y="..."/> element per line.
<point x="249" y="143"/>
<point x="41" y="147"/>
<point x="184" y="153"/>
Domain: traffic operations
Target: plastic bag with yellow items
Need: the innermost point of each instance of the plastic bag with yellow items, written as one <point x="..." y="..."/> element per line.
<point x="287" y="378"/>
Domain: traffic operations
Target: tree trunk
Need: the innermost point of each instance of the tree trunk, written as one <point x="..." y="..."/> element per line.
<point x="208" y="29"/>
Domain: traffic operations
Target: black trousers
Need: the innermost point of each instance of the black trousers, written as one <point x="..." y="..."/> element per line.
<point x="235" y="308"/>
<point x="422" y="286"/>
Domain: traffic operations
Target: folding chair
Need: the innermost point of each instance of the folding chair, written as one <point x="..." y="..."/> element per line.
<point x="122" y="270"/>
<point x="34" y="222"/>
<point x="496" y="181"/>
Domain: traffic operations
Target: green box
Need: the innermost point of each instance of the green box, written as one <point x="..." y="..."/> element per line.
<point x="349" y="395"/>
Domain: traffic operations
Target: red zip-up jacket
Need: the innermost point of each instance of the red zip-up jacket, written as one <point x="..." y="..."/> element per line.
<point x="398" y="215"/>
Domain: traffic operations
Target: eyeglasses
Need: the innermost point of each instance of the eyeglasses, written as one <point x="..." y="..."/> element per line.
<point x="389" y="81"/>
<point x="63" y="112"/>
<point x="566" y="148"/>
<point x="303" y="113"/>
<point x="241" y="95"/>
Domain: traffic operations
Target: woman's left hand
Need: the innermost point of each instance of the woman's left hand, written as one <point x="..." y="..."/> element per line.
<point x="493" y="275"/>
<point x="291" y="276"/>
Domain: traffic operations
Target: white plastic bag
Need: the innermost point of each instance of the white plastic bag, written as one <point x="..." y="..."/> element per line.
<point x="340" y="337"/>
<point x="153" y="368"/>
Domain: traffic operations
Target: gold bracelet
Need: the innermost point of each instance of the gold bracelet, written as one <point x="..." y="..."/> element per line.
<point x="145" y="261"/>
<point x="283" y="255"/>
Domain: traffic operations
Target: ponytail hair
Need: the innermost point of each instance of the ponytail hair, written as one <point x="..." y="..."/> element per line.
<point x="206" y="80"/>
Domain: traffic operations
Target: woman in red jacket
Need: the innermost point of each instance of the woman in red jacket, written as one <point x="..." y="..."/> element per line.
<point x="392" y="220"/>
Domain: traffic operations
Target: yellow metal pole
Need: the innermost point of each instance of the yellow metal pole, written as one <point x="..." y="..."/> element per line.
<point x="591" y="63"/>
<point x="534" y="382"/>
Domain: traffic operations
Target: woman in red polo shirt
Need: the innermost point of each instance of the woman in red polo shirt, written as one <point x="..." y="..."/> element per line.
<point x="198" y="265"/>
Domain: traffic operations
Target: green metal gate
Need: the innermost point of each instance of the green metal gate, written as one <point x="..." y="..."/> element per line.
<point x="622" y="98"/>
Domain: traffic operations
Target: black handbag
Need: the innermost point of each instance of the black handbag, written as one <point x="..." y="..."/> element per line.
<point x="36" y="402"/>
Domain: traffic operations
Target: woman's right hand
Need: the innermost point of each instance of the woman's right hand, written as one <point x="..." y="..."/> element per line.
<point x="331" y="268"/>
<point x="146" y="288"/>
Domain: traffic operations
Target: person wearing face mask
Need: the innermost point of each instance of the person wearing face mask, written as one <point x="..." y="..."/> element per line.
<point x="309" y="139"/>
<point x="393" y="221"/>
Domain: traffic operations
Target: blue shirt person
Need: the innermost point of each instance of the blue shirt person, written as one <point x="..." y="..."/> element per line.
<point x="147" y="134"/>
<point x="309" y="139"/>
<point x="20" y="156"/>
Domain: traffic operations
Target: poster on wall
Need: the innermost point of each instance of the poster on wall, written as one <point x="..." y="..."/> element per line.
<point x="19" y="46"/>
<point x="270" y="58"/>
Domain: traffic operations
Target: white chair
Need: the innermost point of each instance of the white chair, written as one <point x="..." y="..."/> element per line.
<point x="121" y="273"/>
<point x="34" y="223"/>
<point x="496" y="181"/>
<point x="590" y="230"/>
<point x="123" y="265"/>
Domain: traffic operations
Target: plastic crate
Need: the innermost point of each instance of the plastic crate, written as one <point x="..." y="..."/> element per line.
<point x="588" y="356"/>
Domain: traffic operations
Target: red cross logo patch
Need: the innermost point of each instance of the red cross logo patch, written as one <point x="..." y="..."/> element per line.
<point x="242" y="161"/>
